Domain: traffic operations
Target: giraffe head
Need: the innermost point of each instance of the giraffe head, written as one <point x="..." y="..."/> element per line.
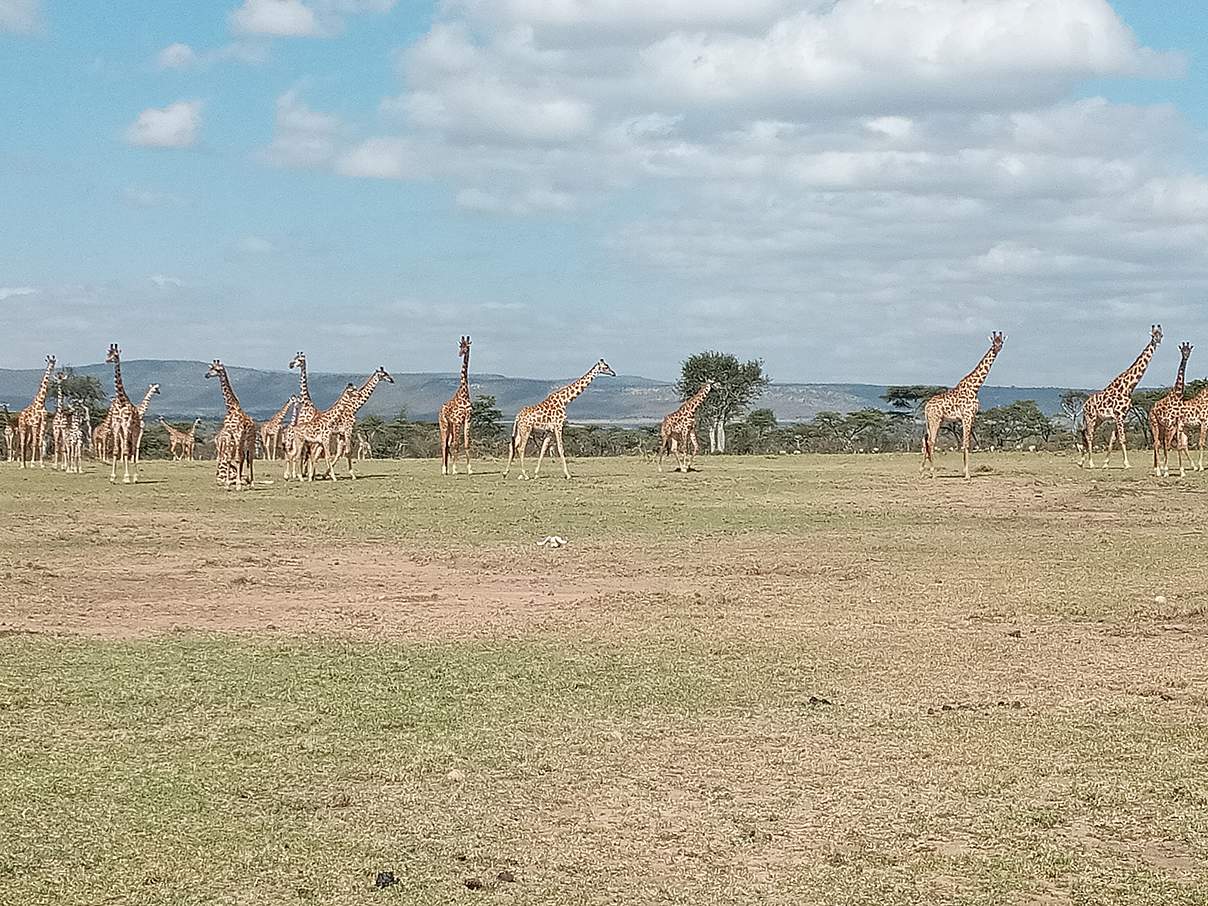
<point x="50" y="362"/>
<point x="216" y="368"/>
<point x="997" y="338"/>
<point x="153" y="390"/>
<point x="1155" y="335"/>
<point x="603" y="367"/>
<point x="464" y="349"/>
<point x="383" y="375"/>
<point x="1185" y="351"/>
<point x="298" y="361"/>
<point x="114" y="355"/>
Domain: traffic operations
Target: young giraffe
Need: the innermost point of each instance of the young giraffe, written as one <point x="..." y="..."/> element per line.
<point x="125" y="424"/>
<point x="180" y="443"/>
<point x="958" y="404"/>
<point x="1113" y="402"/>
<point x="1164" y="417"/>
<point x="455" y="417"/>
<point x="31" y="422"/>
<point x="75" y="439"/>
<point x="60" y="424"/>
<point x="678" y="431"/>
<point x="549" y="416"/>
<point x="236" y="439"/>
<point x="271" y="430"/>
<point x="365" y="445"/>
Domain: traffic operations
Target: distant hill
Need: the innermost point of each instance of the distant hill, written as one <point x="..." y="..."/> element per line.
<point x="621" y="400"/>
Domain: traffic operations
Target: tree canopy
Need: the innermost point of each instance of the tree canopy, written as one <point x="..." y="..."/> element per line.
<point x="735" y="386"/>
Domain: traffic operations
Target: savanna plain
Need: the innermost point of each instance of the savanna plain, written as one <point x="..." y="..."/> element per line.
<point x="795" y="679"/>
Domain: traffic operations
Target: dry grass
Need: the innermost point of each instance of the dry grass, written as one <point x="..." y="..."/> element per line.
<point x="792" y="680"/>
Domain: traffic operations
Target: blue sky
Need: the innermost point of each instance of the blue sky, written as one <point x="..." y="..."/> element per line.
<point x="852" y="189"/>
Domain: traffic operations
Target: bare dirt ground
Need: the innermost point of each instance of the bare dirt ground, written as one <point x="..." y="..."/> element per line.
<point x="806" y="679"/>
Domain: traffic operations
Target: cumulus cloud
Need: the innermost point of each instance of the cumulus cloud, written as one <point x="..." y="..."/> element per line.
<point x="182" y="56"/>
<point x="20" y="16"/>
<point x="163" y="281"/>
<point x="279" y="18"/>
<point x="380" y="158"/>
<point x="176" y="56"/>
<point x="174" y="126"/>
<point x="302" y="137"/>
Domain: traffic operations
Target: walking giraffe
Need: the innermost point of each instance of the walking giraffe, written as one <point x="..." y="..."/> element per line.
<point x="678" y="431"/>
<point x="236" y="439"/>
<point x="31" y="422"/>
<point x="1113" y="402"/>
<point x="1164" y="418"/>
<point x="454" y="418"/>
<point x="125" y="422"/>
<point x="958" y="404"/>
<point x="271" y="430"/>
<point x="180" y="443"/>
<point x="1191" y="413"/>
<point x="346" y="421"/>
<point x="549" y="416"/>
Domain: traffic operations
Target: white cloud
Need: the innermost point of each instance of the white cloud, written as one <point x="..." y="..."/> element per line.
<point x="529" y="201"/>
<point x="256" y="245"/>
<point x="380" y="158"/>
<point x="174" y="126"/>
<point x="176" y="56"/>
<point x="163" y="282"/>
<point x="302" y="137"/>
<point x="9" y="292"/>
<point x="280" y="18"/>
<point x="20" y="16"/>
<point x="182" y="56"/>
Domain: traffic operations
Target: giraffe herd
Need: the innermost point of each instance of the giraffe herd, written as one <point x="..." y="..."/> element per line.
<point x="301" y="434"/>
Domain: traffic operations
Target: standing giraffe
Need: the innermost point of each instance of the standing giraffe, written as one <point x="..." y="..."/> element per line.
<point x="180" y="443"/>
<point x="1164" y="418"/>
<point x="31" y="422"/>
<point x="75" y="439"/>
<point x="104" y="433"/>
<point x="455" y="418"/>
<point x="1113" y="402"/>
<point x="270" y="431"/>
<point x="365" y="445"/>
<point x="678" y="431"/>
<point x="123" y="420"/>
<point x="549" y="416"/>
<point x="236" y="439"/>
<point x="958" y="404"/>
<point x="61" y="424"/>
<point x="1191" y="413"/>
<point x="346" y="421"/>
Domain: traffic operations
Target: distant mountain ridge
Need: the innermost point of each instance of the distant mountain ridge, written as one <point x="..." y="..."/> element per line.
<point x="185" y="393"/>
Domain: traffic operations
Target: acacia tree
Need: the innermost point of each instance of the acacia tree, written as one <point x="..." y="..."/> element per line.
<point x="1071" y="406"/>
<point x="735" y="386"/>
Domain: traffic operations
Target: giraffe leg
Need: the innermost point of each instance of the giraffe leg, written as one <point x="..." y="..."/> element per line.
<point x="966" y="435"/>
<point x="1111" y="440"/>
<point x="695" y="444"/>
<point x="561" y="452"/>
<point x="465" y="445"/>
<point x="929" y="439"/>
<point x="1122" y="432"/>
<point x="541" y="455"/>
<point x="1203" y="431"/>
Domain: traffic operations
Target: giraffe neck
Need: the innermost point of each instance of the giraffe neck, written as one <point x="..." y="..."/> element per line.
<point x="43" y="389"/>
<point x="1128" y="380"/>
<point x="277" y="419"/>
<point x="973" y="381"/>
<point x="564" y="395"/>
<point x="228" y="395"/>
<point x="119" y="389"/>
<point x="360" y="397"/>
<point x="690" y="407"/>
<point x="304" y="388"/>
<point x="145" y="404"/>
<point x="1180" y="381"/>
<point x="59" y="398"/>
<point x="464" y="386"/>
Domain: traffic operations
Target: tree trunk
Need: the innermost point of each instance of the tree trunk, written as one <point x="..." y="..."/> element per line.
<point x="721" y="436"/>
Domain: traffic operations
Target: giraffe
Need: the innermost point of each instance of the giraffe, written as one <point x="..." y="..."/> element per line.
<point x="365" y="445"/>
<point x="236" y="439"/>
<point x="346" y="421"/>
<point x="103" y="435"/>
<point x="1113" y="402"/>
<point x="152" y="390"/>
<point x="298" y="448"/>
<point x="271" y="430"/>
<point x="958" y="404"/>
<point x="74" y="440"/>
<point x="61" y="423"/>
<point x="454" y="418"/>
<point x="180" y="443"/>
<point x="306" y="410"/>
<point x="9" y="435"/>
<point x="125" y="422"/>
<point x="1191" y="413"/>
<point x="678" y="431"/>
<point x="31" y="422"/>
<point x="549" y="417"/>
<point x="1164" y="418"/>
